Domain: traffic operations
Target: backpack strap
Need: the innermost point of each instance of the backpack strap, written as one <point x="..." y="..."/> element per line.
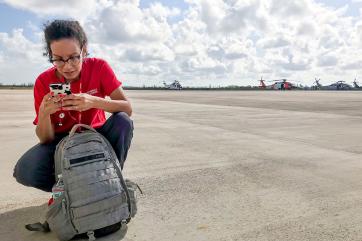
<point x="39" y="227"/>
<point x="76" y="126"/>
<point x="119" y="172"/>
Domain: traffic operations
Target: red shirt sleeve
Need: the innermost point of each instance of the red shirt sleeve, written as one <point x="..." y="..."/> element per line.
<point x="109" y="81"/>
<point x="39" y="92"/>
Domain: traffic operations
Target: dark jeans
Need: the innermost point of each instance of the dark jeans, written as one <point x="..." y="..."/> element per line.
<point x="36" y="167"/>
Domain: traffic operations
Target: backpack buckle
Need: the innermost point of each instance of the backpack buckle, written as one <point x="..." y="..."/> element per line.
<point x="90" y="235"/>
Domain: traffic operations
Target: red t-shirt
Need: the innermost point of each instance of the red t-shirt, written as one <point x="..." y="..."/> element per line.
<point x="96" y="78"/>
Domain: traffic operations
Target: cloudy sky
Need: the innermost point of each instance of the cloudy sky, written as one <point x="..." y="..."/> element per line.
<point x="198" y="42"/>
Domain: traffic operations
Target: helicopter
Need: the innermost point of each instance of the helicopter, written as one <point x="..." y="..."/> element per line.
<point x="339" y="85"/>
<point x="356" y="84"/>
<point x="281" y="84"/>
<point x="175" y="85"/>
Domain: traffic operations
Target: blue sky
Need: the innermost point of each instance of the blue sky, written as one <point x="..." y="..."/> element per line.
<point x="353" y="9"/>
<point x="178" y="4"/>
<point x="199" y="42"/>
<point x="15" y="18"/>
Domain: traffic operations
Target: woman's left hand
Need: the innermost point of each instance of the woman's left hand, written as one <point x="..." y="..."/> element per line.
<point x="78" y="102"/>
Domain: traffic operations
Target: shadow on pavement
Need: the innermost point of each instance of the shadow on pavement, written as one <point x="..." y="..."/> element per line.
<point x="13" y="223"/>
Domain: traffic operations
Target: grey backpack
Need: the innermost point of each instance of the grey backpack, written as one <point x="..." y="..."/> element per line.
<point x="95" y="197"/>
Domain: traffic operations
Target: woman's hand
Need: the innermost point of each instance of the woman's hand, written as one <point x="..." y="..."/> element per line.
<point x="79" y="102"/>
<point x="50" y="104"/>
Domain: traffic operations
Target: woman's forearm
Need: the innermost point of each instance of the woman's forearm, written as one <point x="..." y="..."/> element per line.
<point x="44" y="130"/>
<point x="113" y="105"/>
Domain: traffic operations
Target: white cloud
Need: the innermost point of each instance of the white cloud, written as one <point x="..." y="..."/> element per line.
<point x="290" y="9"/>
<point x="147" y="70"/>
<point x="327" y="60"/>
<point x="126" y="22"/>
<point x="79" y="9"/>
<point x="353" y="65"/>
<point x="185" y="49"/>
<point x="307" y="28"/>
<point x="2" y="57"/>
<point x="276" y="42"/>
<point x="22" y="60"/>
<point x="211" y="13"/>
<point x="154" y="53"/>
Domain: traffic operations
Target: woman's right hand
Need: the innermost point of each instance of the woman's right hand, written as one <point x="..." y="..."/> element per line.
<point x="50" y="104"/>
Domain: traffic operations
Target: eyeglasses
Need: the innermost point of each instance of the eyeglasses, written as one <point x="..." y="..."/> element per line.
<point x="73" y="60"/>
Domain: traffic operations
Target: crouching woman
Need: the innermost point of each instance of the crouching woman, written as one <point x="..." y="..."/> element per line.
<point x="91" y="80"/>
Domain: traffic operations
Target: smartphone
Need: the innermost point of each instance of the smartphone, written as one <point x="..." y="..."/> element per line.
<point x="60" y="89"/>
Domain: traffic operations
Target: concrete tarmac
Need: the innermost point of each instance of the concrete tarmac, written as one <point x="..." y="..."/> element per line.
<point x="218" y="166"/>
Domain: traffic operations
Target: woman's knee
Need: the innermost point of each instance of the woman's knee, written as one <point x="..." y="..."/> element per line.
<point x="23" y="172"/>
<point x="35" y="168"/>
<point x="122" y="120"/>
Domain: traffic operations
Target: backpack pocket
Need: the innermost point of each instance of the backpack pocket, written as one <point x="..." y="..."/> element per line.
<point x="85" y="147"/>
<point x="101" y="214"/>
<point x="59" y="220"/>
<point x="84" y="159"/>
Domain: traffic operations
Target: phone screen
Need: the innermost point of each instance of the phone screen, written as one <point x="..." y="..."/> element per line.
<point x="60" y="89"/>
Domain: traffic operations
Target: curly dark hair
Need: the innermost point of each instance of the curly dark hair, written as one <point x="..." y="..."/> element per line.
<point x="59" y="29"/>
